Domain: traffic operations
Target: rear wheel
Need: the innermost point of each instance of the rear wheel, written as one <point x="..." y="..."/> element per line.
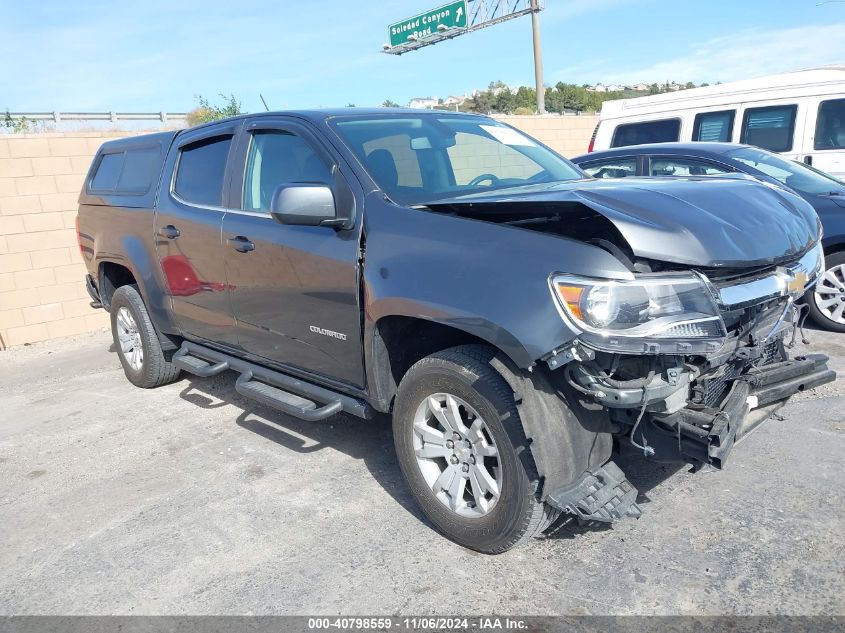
<point x="461" y="447"/>
<point x="144" y="362"/>
<point x="827" y="300"/>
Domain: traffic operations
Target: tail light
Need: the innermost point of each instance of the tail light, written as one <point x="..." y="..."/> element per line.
<point x="79" y="237"/>
<point x="593" y="138"/>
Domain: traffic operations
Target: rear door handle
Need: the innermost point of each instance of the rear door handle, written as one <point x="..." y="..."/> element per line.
<point x="808" y="160"/>
<point x="241" y="244"/>
<point x="169" y="231"/>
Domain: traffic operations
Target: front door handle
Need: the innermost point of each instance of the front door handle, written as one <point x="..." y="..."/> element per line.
<point x="241" y="244"/>
<point x="169" y="231"/>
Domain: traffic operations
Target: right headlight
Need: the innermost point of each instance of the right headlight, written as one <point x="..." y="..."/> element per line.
<point x="651" y="314"/>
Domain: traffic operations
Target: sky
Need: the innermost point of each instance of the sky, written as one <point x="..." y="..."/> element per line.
<point x="159" y="55"/>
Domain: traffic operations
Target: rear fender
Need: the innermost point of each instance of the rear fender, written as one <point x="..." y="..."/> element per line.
<point x="135" y="257"/>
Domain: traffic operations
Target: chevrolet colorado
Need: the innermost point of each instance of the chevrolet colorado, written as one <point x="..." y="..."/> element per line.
<point x="519" y="320"/>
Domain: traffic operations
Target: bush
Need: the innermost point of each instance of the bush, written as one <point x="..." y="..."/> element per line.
<point x="20" y="125"/>
<point x="206" y="111"/>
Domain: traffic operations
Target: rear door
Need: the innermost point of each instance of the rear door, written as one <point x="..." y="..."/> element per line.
<point x="294" y="289"/>
<point x="188" y="221"/>
<point x="824" y="140"/>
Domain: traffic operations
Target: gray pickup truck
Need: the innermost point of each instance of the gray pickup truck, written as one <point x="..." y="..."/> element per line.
<point x="521" y="322"/>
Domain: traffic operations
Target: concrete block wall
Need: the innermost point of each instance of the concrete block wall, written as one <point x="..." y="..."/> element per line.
<point x="42" y="290"/>
<point x="567" y="135"/>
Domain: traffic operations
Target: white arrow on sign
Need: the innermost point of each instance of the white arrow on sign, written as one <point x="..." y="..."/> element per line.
<point x="458" y="14"/>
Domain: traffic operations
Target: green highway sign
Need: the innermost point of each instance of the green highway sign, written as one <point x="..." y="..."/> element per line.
<point x="452" y="15"/>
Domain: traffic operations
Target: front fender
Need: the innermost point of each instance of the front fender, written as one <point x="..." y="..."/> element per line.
<point x="486" y="279"/>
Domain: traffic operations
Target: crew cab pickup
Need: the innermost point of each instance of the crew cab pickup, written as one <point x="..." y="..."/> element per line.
<point x="520" y="321"/>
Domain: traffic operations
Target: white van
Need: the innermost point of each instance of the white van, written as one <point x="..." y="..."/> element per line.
<point x="799" y="114"/>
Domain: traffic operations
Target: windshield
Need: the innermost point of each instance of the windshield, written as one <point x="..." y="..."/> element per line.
<point x="797" y="176"/>
<point x="419" y="158"/>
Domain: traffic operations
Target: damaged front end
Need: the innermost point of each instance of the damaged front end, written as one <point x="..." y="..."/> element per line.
<point x="684" y="371"/>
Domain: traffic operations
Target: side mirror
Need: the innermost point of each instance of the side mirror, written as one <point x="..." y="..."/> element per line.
<point x="305" y="204"/>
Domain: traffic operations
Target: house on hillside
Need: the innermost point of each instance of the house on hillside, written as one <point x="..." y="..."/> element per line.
<point x="453" y="100"/>
<point x="423" y="102"/>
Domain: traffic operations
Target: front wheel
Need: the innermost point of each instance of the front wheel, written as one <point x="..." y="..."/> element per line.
<point x="144" y="362"/>
<point x="827" y="299"/>
<point x="462" y="449"/>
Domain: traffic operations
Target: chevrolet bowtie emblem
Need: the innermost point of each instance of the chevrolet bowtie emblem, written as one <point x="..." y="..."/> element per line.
<point x="797" y="282"/>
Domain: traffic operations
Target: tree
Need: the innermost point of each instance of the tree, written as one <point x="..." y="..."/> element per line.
<point x="505" y="100"/>
<point x="526" y="99"/>
<point x="484" y="102"/>
<point x="206" y="111"/>
<point x="387" y="103"/>
<point x="350" y="105"/>
<point x="689" y="85"/>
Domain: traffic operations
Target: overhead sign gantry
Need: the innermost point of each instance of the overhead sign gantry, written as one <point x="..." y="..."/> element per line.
<point x="465" y="16"/>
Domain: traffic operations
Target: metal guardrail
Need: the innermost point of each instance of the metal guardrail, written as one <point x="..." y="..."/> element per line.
<point x="58" y="117"/>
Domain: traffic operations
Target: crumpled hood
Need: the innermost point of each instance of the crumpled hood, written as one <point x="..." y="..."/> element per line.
<point x="706" y="222"/>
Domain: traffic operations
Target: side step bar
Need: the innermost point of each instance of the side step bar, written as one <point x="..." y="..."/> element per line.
<point x="281" y="391"/>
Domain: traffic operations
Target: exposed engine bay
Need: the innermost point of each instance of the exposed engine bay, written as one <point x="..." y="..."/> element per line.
<point x="693" y="408"/>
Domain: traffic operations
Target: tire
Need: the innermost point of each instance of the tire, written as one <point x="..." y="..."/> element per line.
<point x="832" y="292"/>
<point x="464" y="374"/>
<point x="152" y="367"/>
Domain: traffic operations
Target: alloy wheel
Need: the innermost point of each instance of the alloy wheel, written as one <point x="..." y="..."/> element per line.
<point x="457" y="455"/>
<point x="129" y="339"/>
<point x="830" y="294"/>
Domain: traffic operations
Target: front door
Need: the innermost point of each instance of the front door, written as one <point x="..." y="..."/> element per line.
<point x="294" y="289"/>
<point x="188" y="221"/>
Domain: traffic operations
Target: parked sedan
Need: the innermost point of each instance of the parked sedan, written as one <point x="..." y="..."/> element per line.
<point x="824" y="192"/>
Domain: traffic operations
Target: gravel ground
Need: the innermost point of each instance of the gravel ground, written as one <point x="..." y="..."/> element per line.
<point x="191" y="500"/>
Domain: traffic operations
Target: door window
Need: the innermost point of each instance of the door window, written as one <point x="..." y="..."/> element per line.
<point x="715" y="127"/>
<point x="201" y="169"/>
<point x="278" y="157"/>
<point x="830" y="125"/>
<point x="681" y="166"/>
<point x="770" y="127"/>
<point x="612" y="168"/>
<point x="663" y="131"/>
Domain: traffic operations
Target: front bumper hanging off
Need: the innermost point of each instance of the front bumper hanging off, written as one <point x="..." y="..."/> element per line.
<point x="706" y="436"/>
<point x="698" y="436"/>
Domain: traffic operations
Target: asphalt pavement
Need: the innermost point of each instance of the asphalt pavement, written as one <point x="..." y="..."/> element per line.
<point x="189" y="499"/>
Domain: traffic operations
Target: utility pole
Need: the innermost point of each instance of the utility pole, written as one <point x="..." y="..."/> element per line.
<point x="538" y="57"/>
